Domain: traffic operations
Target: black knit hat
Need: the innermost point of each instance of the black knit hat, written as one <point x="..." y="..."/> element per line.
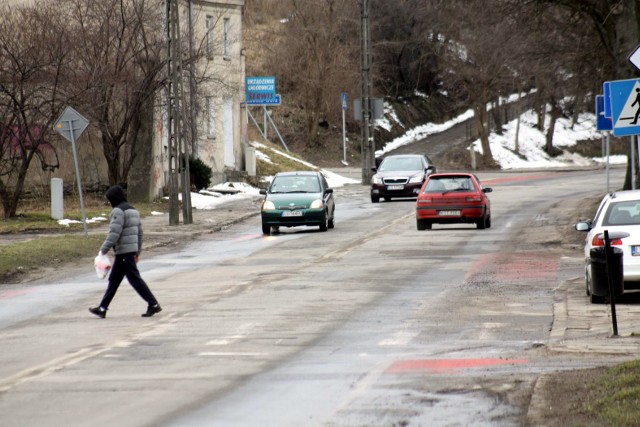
<point x="116" y="195"/>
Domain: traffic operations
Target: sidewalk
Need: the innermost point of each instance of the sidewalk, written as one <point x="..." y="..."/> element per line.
<point x="581" y="327"/>
<point x="158" y="232"/>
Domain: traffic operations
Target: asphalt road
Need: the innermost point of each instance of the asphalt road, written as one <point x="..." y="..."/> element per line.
<point x="371" y="323"/>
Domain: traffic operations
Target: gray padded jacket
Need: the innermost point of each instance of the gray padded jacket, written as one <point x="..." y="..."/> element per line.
<point x="125" y="227"/>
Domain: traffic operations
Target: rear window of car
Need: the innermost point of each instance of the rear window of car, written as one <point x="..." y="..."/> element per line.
<point x="458" y="184"/>
<point x="622" y="213"/>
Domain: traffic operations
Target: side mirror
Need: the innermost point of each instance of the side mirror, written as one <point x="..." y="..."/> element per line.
<point x="328" y="191"/>
<point x="374" y="169"/>
<point x="583" y="226"/>
<point x="263" y="192"/>
<point x="487" y="190"/>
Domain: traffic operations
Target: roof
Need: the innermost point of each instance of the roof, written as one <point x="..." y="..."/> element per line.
<point x="450" y="174"/>
<point x="625" y="195"/>
<point x="402" y="155"/>
<point x="301" y="173"/>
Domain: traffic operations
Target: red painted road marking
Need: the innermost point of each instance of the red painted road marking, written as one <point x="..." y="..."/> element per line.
<point x="12" y="294"/>
<point x="513" y="267"/>
<point x="448" y="365"/>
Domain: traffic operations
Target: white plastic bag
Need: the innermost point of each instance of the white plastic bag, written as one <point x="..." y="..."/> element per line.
<point x="102" y="264"/>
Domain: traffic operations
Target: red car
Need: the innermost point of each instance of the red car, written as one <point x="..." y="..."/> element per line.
<point x="451" y="198"/>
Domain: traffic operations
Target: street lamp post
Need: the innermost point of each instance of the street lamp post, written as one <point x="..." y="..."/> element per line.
<point x="367" y="142"/>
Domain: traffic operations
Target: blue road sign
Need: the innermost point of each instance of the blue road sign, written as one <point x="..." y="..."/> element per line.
<point x="607" y="99"/>
<point x="344" y="100"/>
<point x="602" y="122"/>
<point x="262" y="91"/>
<point x="625" y="107"/>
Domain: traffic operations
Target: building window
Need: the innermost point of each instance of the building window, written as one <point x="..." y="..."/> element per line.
<point x="225" y="41"/>
<point x="209" y="36"/>
<point x="211" y="117"/>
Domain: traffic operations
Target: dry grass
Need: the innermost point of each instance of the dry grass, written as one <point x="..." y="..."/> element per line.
<point x="34" y="215"/>
<point x="66" y="243"/>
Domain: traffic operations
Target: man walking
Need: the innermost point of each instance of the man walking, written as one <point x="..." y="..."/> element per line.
<point x="125" y="237"/>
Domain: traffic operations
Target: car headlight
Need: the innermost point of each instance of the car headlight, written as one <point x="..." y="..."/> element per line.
<point x="376" y="179"/>
<point x="417" y="178"/>
<point x="268" y="206"/>
<point x="317" y="204"/>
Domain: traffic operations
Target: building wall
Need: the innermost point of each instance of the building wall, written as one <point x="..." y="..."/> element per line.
<point x="220" y="82"/>
<point x="219" y="90"/>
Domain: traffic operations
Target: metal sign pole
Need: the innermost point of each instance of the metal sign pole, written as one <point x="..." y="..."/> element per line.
<point x="344" y="130"/>
<point x="75" y="160"/>
<point x="633" y="162"/>
<point x="608" y="142"/>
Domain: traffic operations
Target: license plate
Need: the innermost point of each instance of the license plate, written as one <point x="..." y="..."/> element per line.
<point x="449" y="213"/>
<point x="635" y="250"/>
<point x="395" y="187"/>
<point x="292" y="213"/>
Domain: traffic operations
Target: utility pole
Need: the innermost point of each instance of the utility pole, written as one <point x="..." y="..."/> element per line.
<point x="367" y="150"/>
<point x="178" y="150"/>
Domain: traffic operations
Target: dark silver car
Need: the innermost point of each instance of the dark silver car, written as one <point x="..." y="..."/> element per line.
<point x="400" y="175"/>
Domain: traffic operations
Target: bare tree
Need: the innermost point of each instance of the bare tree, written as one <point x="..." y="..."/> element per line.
<point x="481" y="41"/>
<point x="31" y="66"/>
<point x="119" y="61"/>
<point x="616" y="27"/>
<point x="315" y="58"/>
<point x="407" y="50"/>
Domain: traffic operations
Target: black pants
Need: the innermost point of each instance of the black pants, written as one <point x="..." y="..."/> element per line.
<point x="125" y="265"/>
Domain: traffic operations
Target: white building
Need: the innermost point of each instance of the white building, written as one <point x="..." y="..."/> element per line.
<point x="220" y="140"/>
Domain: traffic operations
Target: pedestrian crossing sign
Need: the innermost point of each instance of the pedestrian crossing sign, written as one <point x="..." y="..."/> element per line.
<point x="625" y="107"/>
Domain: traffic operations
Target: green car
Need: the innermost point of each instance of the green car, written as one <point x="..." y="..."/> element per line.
<point x="298" y="198"/>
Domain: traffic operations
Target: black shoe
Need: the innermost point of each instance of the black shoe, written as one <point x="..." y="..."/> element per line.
<point x="98" y="311"/>
<point x="151" y="310"/>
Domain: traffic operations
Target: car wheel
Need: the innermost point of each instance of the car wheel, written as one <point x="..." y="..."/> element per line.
<point x="586" y="283"/>
<point x="324" y="226"/>
<point x="482" y="223"/>
<point x="595" y="299"/>
<point x="330" y="223"/>
<point x="266" y="229"/>
<point x="488" y="221"/>
<point x="423" y="224"/>
<point x="375" y="199"/>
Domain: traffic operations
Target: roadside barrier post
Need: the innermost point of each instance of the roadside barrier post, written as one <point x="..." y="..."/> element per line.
<point x="610" y="273"/>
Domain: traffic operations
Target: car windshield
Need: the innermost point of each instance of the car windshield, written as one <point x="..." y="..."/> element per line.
<point x="623" y="213"/>
<point x="449" y="184"/>
<point x="401" y="164"/>
<point x="295" y="184"/>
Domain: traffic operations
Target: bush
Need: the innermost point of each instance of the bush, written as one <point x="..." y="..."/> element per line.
<point x="200" y="173"/>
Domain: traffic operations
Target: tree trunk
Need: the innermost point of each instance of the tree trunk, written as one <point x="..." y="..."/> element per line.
<point x="554" y="116"/>
<point x="482" y="125"/>
<point x="496" y="112"/>
<point x="516" y="143"/>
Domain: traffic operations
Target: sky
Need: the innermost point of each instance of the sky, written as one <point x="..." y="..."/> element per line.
<point x="530" y="147"/>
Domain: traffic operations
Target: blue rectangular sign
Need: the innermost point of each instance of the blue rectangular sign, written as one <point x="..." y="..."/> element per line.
<point x="602" y="122"/>
<point x="607" y="99"/>
<point x="261" y="91"/>
<point x="625" y="107"/>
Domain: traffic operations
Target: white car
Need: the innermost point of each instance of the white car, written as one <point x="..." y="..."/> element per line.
<point x="618" y="212"/>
